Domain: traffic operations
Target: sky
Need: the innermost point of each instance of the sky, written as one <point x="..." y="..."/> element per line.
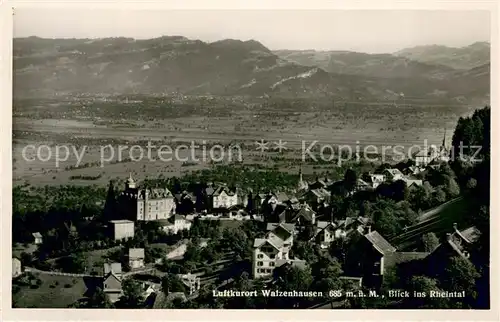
<point x="372" y="31"/>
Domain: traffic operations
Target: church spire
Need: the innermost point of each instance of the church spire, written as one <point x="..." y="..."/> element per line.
<point x="130" y="181"/>
<point x="301" y="185"/>
<point x="442" y="149"/>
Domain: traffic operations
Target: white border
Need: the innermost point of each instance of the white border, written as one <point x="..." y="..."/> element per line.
<point x="9" y="314"/>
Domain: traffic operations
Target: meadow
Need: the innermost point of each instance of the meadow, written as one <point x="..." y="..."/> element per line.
<point x="230" y="122"/>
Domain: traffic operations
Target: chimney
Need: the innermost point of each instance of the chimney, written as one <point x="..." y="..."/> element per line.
<point x="369" y="228"/>
<point x="455" y="226"/>
<point x="448" y="236"/>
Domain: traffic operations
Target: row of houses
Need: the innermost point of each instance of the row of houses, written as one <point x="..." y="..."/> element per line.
<point x="111" y="281"/>
<point x="149" y="204"/>
<point x="123" y="229"/>
<point x="373" y="256"/>
<point x="273" y="250"/>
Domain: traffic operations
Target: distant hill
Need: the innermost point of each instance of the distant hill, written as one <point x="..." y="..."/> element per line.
<point x="43" y="67"/>
<point x="373" y="65"/>
<point x="467" y="57"/>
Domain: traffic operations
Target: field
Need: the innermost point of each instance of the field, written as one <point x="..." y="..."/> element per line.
<point x="244" y="124"/>
<point x="54" y="292"/>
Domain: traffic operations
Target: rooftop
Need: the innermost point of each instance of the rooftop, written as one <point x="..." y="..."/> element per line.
<point x="121" y="221"/>
<point x="379" y="242"/>
<point x="116" y="268"/>
<point x="136" y="253"/>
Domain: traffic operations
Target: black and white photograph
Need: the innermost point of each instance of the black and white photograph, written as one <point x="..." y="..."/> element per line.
<point x="250" y="159"/>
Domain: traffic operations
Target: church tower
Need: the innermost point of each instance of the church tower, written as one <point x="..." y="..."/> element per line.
<point x="443" y="145"/>
<point x="301" y="185"/>
<point x="130" y="182"/>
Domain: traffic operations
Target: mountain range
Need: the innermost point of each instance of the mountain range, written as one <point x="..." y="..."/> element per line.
<point x="232" y="67"/>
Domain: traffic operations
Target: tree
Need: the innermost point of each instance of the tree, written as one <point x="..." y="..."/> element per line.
<point x="307" y="233"/>
<point x="172" y="283"/>
<point x="290" y="278"/>
<point x="176" y="185"/>
<point x="304" y="250"/>
<point x="327" y="272"/>
<point x="74" y="263"/>
<point x="399" y="190"/>
<point x="132" y="295"/>
<point x="26" y="258"/>
<point x="293" y="278"/>
<point x="460" y="275"/>
<point x="385" y="218"/>
<point x="430" y="242"/>
<point x="99" y="299"/>
<point x="193" y="253"/>
<point x="439" y="196"/>
<point x="350" y="180"/>
<point x="250" y="208"/>
<point x="237" y="241"/>
<point x="452" y="188"/>
<point x="423" y="285"/>
<point x="471" y="184"/>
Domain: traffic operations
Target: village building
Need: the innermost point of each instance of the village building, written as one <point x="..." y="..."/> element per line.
<point x="273" y="251"/>
<point x="413" y="170"/>
<point x="275" y="212"/>
<point x="146" y="204"/>
<point x="148" y="289"/>
<point x="115" y="268"/>
<point x="457" y="243"/>
<point x="122" y="229"/>
<point x="328" y="231"/>
<point x="393" y="175"/>
<point x="316" y="197"/>
<point x="432" y="154"/>
<point x="301" y="184"/>
<point x="224" y="197"/>
<point x="136" y="258"/>
<point x="370" y="257"/>
<point x="303" y="216"/>
<point x="16" y="267"/>
<point x="175" y="224"/>
<point x="274" y="198"/>
<point x="186" y="202"/>
<point x="112" y="287"/>
<point x="362" y="185"/>
<point x="413" y="183"/>
<point x="425" y="156"/>
<point x="242" y="197"/>
<point x="320" y="183"/>
<point x="192" y="282"/>
<point x="374" y="180"/>
<point x="37" y="238"/>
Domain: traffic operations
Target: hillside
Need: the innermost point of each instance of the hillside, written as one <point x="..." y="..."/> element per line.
<point x="468" y="57"/>
<point x="44" y="67"/>
<point x="373" y="65"/>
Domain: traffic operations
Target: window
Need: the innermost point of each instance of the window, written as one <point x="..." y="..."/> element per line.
<point x="272" y="256"/>
<point x="268" y="270"/>
<point x="260" y="263"/>
<point x="271" y="264"/>
<point x="259" y="270"/>
<point x="260" y="256"/>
